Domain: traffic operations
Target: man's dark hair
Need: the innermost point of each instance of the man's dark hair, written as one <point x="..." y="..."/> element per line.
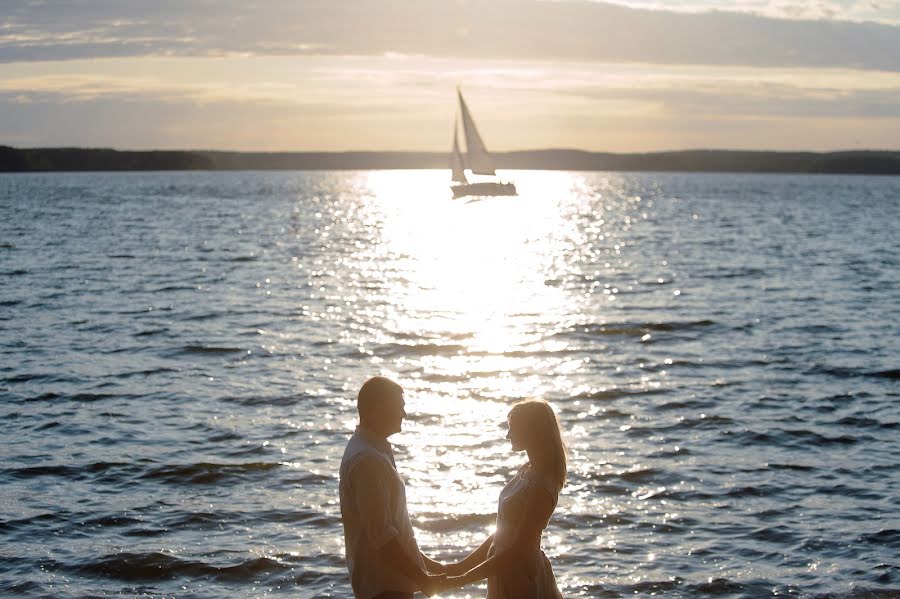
<point x="371" y="394"/>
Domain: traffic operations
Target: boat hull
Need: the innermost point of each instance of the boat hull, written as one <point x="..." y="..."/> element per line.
<point x="483" y="189"/>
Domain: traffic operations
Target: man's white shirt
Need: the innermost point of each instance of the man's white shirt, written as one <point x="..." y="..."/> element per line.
<point x="373" y="508"/>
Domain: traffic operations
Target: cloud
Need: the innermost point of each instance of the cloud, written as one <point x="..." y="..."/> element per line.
<point x="880" y="11"/>
<point x="378" y="83"/>
<point x="329" y="103"/>
<point x="575" y="30"/>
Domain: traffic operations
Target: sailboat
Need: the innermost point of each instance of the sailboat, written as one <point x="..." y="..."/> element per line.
<point x="477" y="159"/>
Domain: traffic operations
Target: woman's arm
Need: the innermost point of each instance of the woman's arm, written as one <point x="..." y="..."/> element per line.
<point x="432" y="566"/>
<point x="537" y="514"/>
<point x="471" y="560"/>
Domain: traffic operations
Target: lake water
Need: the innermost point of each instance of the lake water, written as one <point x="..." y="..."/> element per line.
<point x="181" y="354"/>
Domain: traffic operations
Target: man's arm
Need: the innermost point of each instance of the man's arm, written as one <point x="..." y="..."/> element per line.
<point x="399" y="559"/>
<point x="372" y="497"/>
<point x="371" y="494"/>
<point x="471" y="560"/>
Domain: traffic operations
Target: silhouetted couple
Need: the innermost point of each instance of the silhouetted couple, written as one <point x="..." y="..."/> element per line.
<point x="382" y="555"/>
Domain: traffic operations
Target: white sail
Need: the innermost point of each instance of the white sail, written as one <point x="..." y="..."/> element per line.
<point x="458" y="174"/>
<point x="478" y="157"/>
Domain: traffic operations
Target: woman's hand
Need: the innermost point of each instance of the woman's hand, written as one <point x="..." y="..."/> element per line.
<point x="437" y="568"/>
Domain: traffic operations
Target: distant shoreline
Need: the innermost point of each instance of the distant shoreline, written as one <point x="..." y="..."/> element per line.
<point x="861" y="162"/>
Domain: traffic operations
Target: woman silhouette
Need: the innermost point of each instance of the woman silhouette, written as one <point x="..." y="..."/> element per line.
<point x="511" y="559"/>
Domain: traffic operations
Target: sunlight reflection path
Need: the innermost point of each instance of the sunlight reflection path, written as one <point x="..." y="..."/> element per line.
<point x="469" y="292"/>
<point x="473" y="305"/>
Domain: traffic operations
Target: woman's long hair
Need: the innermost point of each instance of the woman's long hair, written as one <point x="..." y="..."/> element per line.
<point x="544" y="426"/>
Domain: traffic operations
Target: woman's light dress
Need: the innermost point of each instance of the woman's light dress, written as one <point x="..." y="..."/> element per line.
<point x="532" y="577"/>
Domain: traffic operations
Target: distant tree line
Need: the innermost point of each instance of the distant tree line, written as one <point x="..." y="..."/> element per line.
<point x="91" y="159"/>
<point x="83" y="159"/>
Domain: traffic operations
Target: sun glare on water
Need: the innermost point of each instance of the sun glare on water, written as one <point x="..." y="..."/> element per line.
<point x="470" y="290"/>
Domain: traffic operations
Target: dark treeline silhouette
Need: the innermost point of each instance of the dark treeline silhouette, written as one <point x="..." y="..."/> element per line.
<point x="84" y="159"/>
<point x="90" y="159"/>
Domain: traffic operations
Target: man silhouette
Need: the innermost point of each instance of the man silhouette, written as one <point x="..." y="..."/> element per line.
<point x="382" y="555"/>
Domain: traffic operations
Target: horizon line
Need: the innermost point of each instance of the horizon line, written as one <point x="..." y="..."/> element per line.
<point x="547" y="149"/>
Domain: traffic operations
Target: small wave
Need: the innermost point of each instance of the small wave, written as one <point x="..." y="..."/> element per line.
<point x="734" y="273"/>
<point x="605" y="394"/>
<point x="862" y="592"/>
<point x="641" y="475"/>
<point x="445" y="378"/>
<point x="38" y="471"/>
<point x="417" y="336"/>
<point x="814" y="438"/>
<point x="586" y="520"/>
<point x="718" y="586"/>
<point x="671" y="453"/>
<point x="420" y="349"/>
<point x="702" y="423"/>
<point x="41" y="521"/>
<point x="306" y="517"/>
<point x="72" y="472"/>
<point x="844" y="372"/>
<point x="214" y="520"/>
<point x="168" y="288"/>
<point x="682" y="405"/>
<point x="151" y="332"/>
<point x="225" y="436"/>
<point x="797" y="467"/>
<point x="781" y="535"/>
<point x="204" y="316"/>
<point x="278" y="400"/>
<point x="889" y="537"/>
<point x="844" y="491"/>
<point x="48" y="425"/>
<point x="611" y="414"/>
<point x="155" y="566"/>
<point x="143" y="373"/>
<point x="307" y="479"/>
<point x="636" y="329"/>
<point x="208" y="350"/>
<point x="866" y="423"/>
<point x="887" y="374"/>
<point x="34" y="377"/>
<point x="21" y="589"/>
<point x="651" y="587"/>
<point x="794" y="438"/>
<point x="207" y="473"/>
<point x="439" y="523"/>
<point x="77" y="397"/>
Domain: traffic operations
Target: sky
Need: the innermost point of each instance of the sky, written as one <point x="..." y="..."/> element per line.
<point x="335" y="75"/>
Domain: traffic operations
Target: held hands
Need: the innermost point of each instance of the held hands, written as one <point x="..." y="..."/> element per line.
<point x="432" y="584"/>
<point x="450" y="583"/>
<point x="450" y="578"/>
<point x="441" y="578"/>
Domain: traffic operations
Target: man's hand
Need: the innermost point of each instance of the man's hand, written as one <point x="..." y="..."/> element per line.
<point x="431" y="584"/>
